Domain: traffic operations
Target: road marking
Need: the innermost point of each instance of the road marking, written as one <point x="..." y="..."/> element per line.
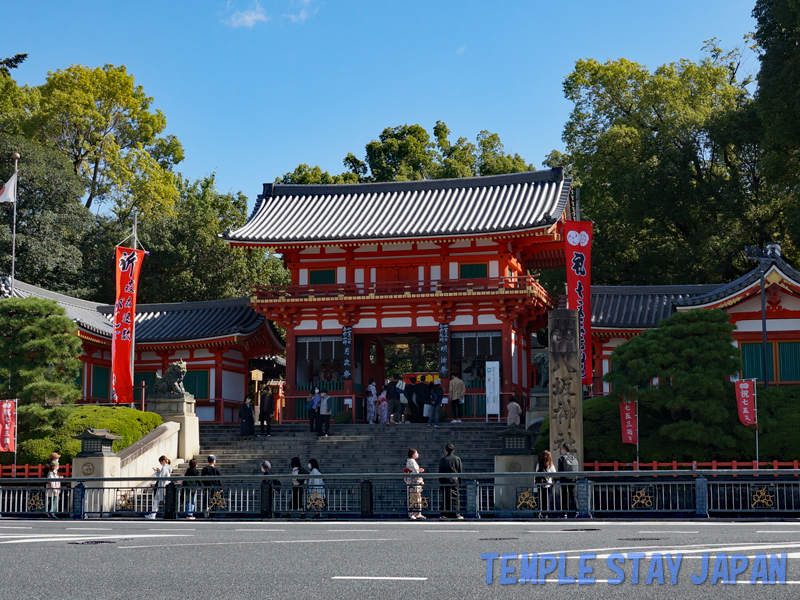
<point x="384" y="578"/>
<point x="89" y="529"/>
<point x="795" y="532"/>
<point x="669" y="532"/>
<point x="451" y="531"/>
<point x="351" y="530"/>
<point x="175" y="529"/>
<point x="557" y="531"/>
<point x="82" y="538"/>
<point x="259" y="530"/>
<point x="255" y="542"/>
<point x="12" y="527"/>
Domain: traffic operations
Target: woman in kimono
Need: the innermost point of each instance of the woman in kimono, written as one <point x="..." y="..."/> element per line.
<point x="372" y="401"/>
<point x="414" y="486"/>
<point x="316" y="487"/>
<point x="383" y="407"/>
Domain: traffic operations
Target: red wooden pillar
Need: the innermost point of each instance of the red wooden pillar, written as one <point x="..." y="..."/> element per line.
<point x="505" y="383"/>
<point x="290" y="412"/>
<point x="218" y="399"/>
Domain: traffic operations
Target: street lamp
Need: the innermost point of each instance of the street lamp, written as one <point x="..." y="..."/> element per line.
<point x="763" y="256"/>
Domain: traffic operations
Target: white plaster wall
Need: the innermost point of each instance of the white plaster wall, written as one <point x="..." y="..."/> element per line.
<point x="463" y="320"/>
<point x="212" y="382"/>
<point x="772" y="325"/>
<point x="331" y="324"/>
<point x="233" y="355"/>
<point x="233" y="385"/>
<point x="488" y="320"/>
<point x="341" y="274"/>
<point x="494" y="268"/>
<point x="366" y="324"/>
<point x="514" y="366"/>
<point x="203" y="353"/>
<point x="453" y="270"/>
<point x="303" y="277"/>
<point x="426" y="322"/>
<point x="312" y="250"/>
<point x="396" y="322"/>
<point x="179" y="354"/>
<point x="149" y="356"/>
<point x="306" y="324"/>
<point x="333" y="250"/>
<point x="358" y="275"/>
<point x="484" y="242"/>
<point x="436" y="272"/>
<point x="204" y="413"/>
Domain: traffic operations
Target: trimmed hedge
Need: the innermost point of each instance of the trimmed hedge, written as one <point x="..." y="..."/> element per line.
<point x="343" y="417"/>
<point x="43" y="430"/>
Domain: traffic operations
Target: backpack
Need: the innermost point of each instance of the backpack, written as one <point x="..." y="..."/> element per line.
<point x="303" y="471"/>
<point x="568" y="463"/>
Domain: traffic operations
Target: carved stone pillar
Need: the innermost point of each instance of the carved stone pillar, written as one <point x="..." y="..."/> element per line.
<point x="566" y="393"/>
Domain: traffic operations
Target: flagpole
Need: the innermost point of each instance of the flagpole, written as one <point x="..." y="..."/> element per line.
<point x="14" y="229"/>
<point x="637" y="433"/>
<point x="16" y="429"/>
<point x="133" y="316"/>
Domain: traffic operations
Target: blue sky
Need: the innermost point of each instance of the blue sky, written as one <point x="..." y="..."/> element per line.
<point x="254" y="88"/>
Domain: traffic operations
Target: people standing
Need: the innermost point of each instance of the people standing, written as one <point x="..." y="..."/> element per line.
<point x="211" y="486"/>
<point x="247" y="418"/>
<point x="383" y="407"/>
<point x="297" y="487"/>
<point x="545" y="465"/>
<point x="53" y="489"/>
<point x="316" y="488"/>
<point x="567" y="463"/>
<point x="437" y="395"/>
<point x="423" y="394"/>
<point x="265" y="413"/>
<point x="266" y="471"/>
<point x="450" y="463"/>
<point x="191" y="488"/>
<point x="414" y="486"/>
<point x="324" y="415"/>
<point x="393" y="396"/>
<point x="162" y="474"/>
<point x="457" y="392"/>
<point x="312" y="404"/>
<point x="372" y="402"/>
<point x="514" y="412"/>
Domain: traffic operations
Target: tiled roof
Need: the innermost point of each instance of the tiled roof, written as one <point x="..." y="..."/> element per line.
<point x="174" y="322"/>
<point x="405" y="209"/>
<point x="745" y="281"/>
<point x="639" y="306"/>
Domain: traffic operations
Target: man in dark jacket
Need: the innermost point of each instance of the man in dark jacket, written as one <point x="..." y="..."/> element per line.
<point x="393" y="397"/>
<point x="213" y="492"/>
<point x="567" y="463"/>
<point x="450" y="463"/>
<point x="266" y="412"/>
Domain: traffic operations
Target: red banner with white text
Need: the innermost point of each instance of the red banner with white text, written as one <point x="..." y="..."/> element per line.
<point x="578" y="240"/>
<point x="746" y="399"/>
<point x="8" y="425"/>
<point x="127" y="265"/>
<point x="630" y="422"/>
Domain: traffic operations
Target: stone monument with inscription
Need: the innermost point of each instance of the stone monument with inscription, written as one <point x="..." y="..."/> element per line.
<point x="171" y="400"/>
<point x="566" y="391"/>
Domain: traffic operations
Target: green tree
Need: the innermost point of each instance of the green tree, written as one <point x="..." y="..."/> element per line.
<point x="51" y="219"/>
<point x="189" y="262"/>
<point x="103" y="123"/>
<point x="13" y="62"/>
<point x="690" y="413"/>
<point x="670" y="168"/>
<point x="407" y="152"/>
<point x="39" y="350"/>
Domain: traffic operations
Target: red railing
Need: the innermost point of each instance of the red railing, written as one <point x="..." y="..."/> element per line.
<point x="23" y="471"/>
<point x="511" y="285"/>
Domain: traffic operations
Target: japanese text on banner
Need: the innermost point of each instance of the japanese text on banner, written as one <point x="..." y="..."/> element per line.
<point x="127" y="266"/>
<point x="745" y="399"/>
<point x="630" y="425"/>
<point x="8" y="425"/>
<point x="578" y="236"/>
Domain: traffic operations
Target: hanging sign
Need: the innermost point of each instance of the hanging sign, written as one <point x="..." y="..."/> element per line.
<point x="8" y="425"/>
<point x="745" y="399"/>
<point x="444" y="350"/>
<point x="347" y="353"/>
<point x="578" y="236"/>
<point x="127" y="266"/>
<point x="630" y="422"/>
<point x="492" y="388"/>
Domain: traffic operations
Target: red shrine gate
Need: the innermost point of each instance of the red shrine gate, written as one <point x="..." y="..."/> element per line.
<point x="443" y="261"/>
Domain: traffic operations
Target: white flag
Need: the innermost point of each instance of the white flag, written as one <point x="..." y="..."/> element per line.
<point x="7" y="191"/>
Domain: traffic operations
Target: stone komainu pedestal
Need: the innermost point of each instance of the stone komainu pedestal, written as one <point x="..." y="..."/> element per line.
<point x="97" y="459"/>
<point x="517" y="457"/>
<point x="566" y="391"/>
<point x="174" y="403"/>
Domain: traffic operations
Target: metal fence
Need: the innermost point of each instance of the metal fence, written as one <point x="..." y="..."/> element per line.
<point x="478" y="495"/>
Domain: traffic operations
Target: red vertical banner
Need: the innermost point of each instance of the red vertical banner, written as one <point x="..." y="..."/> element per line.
<point x="578" y="238"/>
<point x="8" y="425"/>
<point x="127" y="265"/>
<point x="630" y="422"/>
<point x="745" y="399"/>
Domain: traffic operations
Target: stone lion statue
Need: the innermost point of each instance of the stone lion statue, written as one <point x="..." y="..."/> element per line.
<point x="542" y="362"/>
<point x="172" y="380"/>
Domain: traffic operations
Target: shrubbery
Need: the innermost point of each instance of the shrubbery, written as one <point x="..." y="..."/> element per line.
<point x="43" y="430"/>
<point x="342" y="417"/>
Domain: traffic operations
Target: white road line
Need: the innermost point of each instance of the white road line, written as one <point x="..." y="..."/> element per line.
<point x="384" y="578"/>
<point x="12" y="527"/>
<point x="255" y="542"/>
<point x="451" y="531"/>
<point x="551" y="532"/>
<point x="778" y="531"/>
<point x="668" y="532"/>
<point x="336" y="540"/>
<point x="89" y="529"/>
<point x="174" y="529"/>
<point x="260" y="530"/>
<point x="351" y="530"/>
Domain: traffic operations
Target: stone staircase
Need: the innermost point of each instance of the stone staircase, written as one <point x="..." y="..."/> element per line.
<point x="351" y="448"/>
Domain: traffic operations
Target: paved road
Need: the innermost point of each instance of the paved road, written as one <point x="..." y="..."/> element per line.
<point x="150" y="560"/>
